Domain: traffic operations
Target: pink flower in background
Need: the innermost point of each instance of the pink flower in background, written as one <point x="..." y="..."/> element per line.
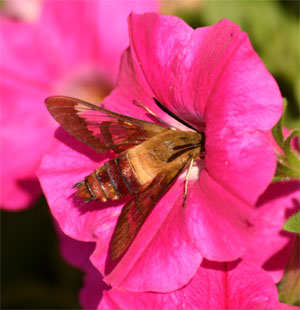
<point x="77" y="254"/>
<point x="73" y="48"/>
<point x="212" y="78"/>
<point x="28" y="10"/>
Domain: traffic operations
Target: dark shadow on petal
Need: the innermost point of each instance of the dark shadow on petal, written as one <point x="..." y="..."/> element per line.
<point x="80" y="147"/>
<point x="109" y="263"/>
<point x="296" y="207"/>
<point x="95" y="205"/>
<point x="277" y="190"/>
<point x="221" y="266"/>
<point x="288" y="213"/>
<point x="31" y="186"/>
<point x="280" y="259"/>
<point x="94" y="286"/>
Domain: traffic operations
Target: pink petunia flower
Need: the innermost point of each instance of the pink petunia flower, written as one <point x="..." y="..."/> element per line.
<point x="269" y="252"/>
<point x="73" y="48"/>
<point x="212" y="78"/>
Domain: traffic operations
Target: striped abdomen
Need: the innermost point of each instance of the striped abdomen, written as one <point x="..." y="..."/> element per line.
<point x="113" y="180"/>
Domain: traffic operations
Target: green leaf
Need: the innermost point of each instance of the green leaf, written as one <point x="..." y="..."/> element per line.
<point x="277" y="129"/>
<point x="288" y="164"/>
<point x="277" y="133"/>
<point x="291" y="156"/>
<point x="288" y="287"/>
<point x="293" y="223"/>
<point x="285" y="172"/>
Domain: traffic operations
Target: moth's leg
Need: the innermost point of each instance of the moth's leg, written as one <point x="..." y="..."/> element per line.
<point x="151" y="113"/>
<point x="187" y="180"/>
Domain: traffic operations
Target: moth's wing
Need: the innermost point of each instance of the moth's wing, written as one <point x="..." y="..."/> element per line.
<point x="99" y="128"/>
<point x="136" y="211"/>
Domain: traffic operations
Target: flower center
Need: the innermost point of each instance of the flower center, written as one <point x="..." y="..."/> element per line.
<point x="89" y="86"/>
<point x="28" y="10"/>
<point x="198" y="166"/>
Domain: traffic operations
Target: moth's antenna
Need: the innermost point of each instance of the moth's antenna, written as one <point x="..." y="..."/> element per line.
<point x="173" y="115"/>
<point x="151" y="113"/>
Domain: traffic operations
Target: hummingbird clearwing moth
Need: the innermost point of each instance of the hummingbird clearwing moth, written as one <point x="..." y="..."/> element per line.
<point x="149" y="157"/>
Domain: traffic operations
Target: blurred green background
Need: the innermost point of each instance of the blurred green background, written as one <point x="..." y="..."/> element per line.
<point x="33" y="274"/>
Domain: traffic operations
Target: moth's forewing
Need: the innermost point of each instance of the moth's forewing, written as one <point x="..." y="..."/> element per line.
<point x="136" y="211"/>
<point x="99" y="128"/>
<point x="66" y="112"/>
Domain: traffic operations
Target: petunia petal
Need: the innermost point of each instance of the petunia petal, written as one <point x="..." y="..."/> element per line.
<point x="251" y="105"/>
<point x="217" y="221"/>
<point x="70" y="47"/>
<point x="232" y="155"/>
<point x="157" y="43"/>
<point x="236" y="285"/>
<point x="181" y="66"/>
<point x="77" y="254"/>
<point x="57" y="177"/>
<point x="161" y="248"/>
<point x="155" y="39"/>
<point x="98" y="28"/>
<point x="111" y="43"/>
<point x="272" y="246"/>
<point x="25" y="61"/>
<point x="24" y="126"/>
<point x="128" y="89"/>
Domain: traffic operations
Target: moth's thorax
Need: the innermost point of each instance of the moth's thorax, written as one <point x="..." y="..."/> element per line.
<point x="157" y="153"/>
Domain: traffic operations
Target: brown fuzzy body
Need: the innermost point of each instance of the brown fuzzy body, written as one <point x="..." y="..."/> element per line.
<point x="133" y="170"/>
